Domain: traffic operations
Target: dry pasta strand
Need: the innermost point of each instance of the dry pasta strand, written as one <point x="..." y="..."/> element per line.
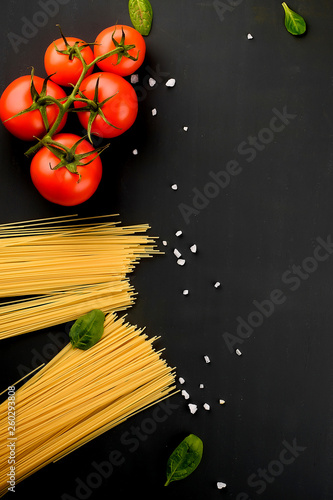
<point x="24" y="377"/>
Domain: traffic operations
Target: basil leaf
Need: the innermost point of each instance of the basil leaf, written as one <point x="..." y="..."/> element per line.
<point x="141" y="14"/>
<point x="87" y="330"/>
<point x="294" y="23"/>
<point x="184" y="459"/>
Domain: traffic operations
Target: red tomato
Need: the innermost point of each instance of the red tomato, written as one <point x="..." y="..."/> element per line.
<point x="60" y="185"/>
<point x="67" y="71"/>
<point x="17" y="97"/>
<point x="121" y="110"/>
<point x="105" y="44"/>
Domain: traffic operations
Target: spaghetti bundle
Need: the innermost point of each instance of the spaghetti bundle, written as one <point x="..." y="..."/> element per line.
<point x="50" y="310"/>
<point x="79" y="395"/>
<point x="60" y="268"/>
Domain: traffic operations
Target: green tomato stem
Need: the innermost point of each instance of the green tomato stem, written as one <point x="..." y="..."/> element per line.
<point x="66" y="104"/>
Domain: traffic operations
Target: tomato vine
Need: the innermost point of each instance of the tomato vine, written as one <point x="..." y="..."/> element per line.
<point x="65" y="104"/>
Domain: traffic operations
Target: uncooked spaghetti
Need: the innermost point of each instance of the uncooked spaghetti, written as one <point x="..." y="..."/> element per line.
<point x="57" y="269"/>
<point x="79" y="395"/>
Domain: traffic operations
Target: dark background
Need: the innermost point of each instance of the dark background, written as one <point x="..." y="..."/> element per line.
<point x="249" y="236"/>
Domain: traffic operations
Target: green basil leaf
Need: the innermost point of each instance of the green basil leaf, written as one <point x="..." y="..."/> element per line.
<point x="87" y="330"/>
<point x="294" y="23"/>
<point x="184" y="459"/>
<point x="141" y="14"/>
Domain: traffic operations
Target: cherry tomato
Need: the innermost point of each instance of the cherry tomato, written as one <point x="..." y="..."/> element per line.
<point x="17" y="97"/>
<point x="104" y="44"/>
<point x="120" y="110"/>
<point x="67" y="70"/>
<point x="61" y="186"/>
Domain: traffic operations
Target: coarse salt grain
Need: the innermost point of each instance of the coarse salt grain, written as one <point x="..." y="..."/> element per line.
<point x="193" y="408"/>
<point x="174" y="187"/>
<point x="193" y="248"/>
<point x="151" y="82"/>
<point x="179" y="233"/>
<point x="177" y="253"/>
<point x="217" y="284"/>
<point x="221" y="485"/>
<point x="185" y="394"/>
<point x="181" y="380"/>
<point x="181" y="262"/>
<point x="185" y="292"/>
<point x="164" y="243"/>
<point x="185" y="128"/>
<point x="135" y="151"/>
<point x="201" y="386"/>
<point x="134" y="78"/>
<point x="222" y="402"/>
<point x="206" y="406"/>
<point x="238" y="352"/>
<point x="154" y="112"/>
<point x="206" y="358"/>
<point x="170" y="83"/>
<point x="249" y="36"/>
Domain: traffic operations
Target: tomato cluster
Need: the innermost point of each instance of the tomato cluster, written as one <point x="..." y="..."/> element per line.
<point x="89" y="79"/>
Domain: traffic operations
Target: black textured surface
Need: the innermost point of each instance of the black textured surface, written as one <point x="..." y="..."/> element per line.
<point x="256" y="231"/>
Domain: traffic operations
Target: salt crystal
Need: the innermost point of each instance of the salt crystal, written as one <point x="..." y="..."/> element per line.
<point x="185" y="128"/>
<point x="193" y="408"/>
<point x="151" y="82"/>
<point x="177" y="253"/>
<point x="238" y="352"/>
<point x="174" y="187"/>
<point x="154" y="112"/>
<point x="206" y="406"/>
<point x="207" y="359"/>
<point x="221" y="485"/>
<point x="179" y="233"/>
<point x="135" y="151"/>
<point x="193" y="248"/>
<point x="201" y="386"/>
<point x="171" y="82"/>
<point x="181" y="380"/>
<point x="185" y="292"/>
<point x="217" y="284"/>
<point x="181" y="262"/>
<point x="222" y="402"/>
<point x="249" y="36"/>
<point x="134" y="78"/>
<point x="185" y="394"/>
<point x="164" y="243"/>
